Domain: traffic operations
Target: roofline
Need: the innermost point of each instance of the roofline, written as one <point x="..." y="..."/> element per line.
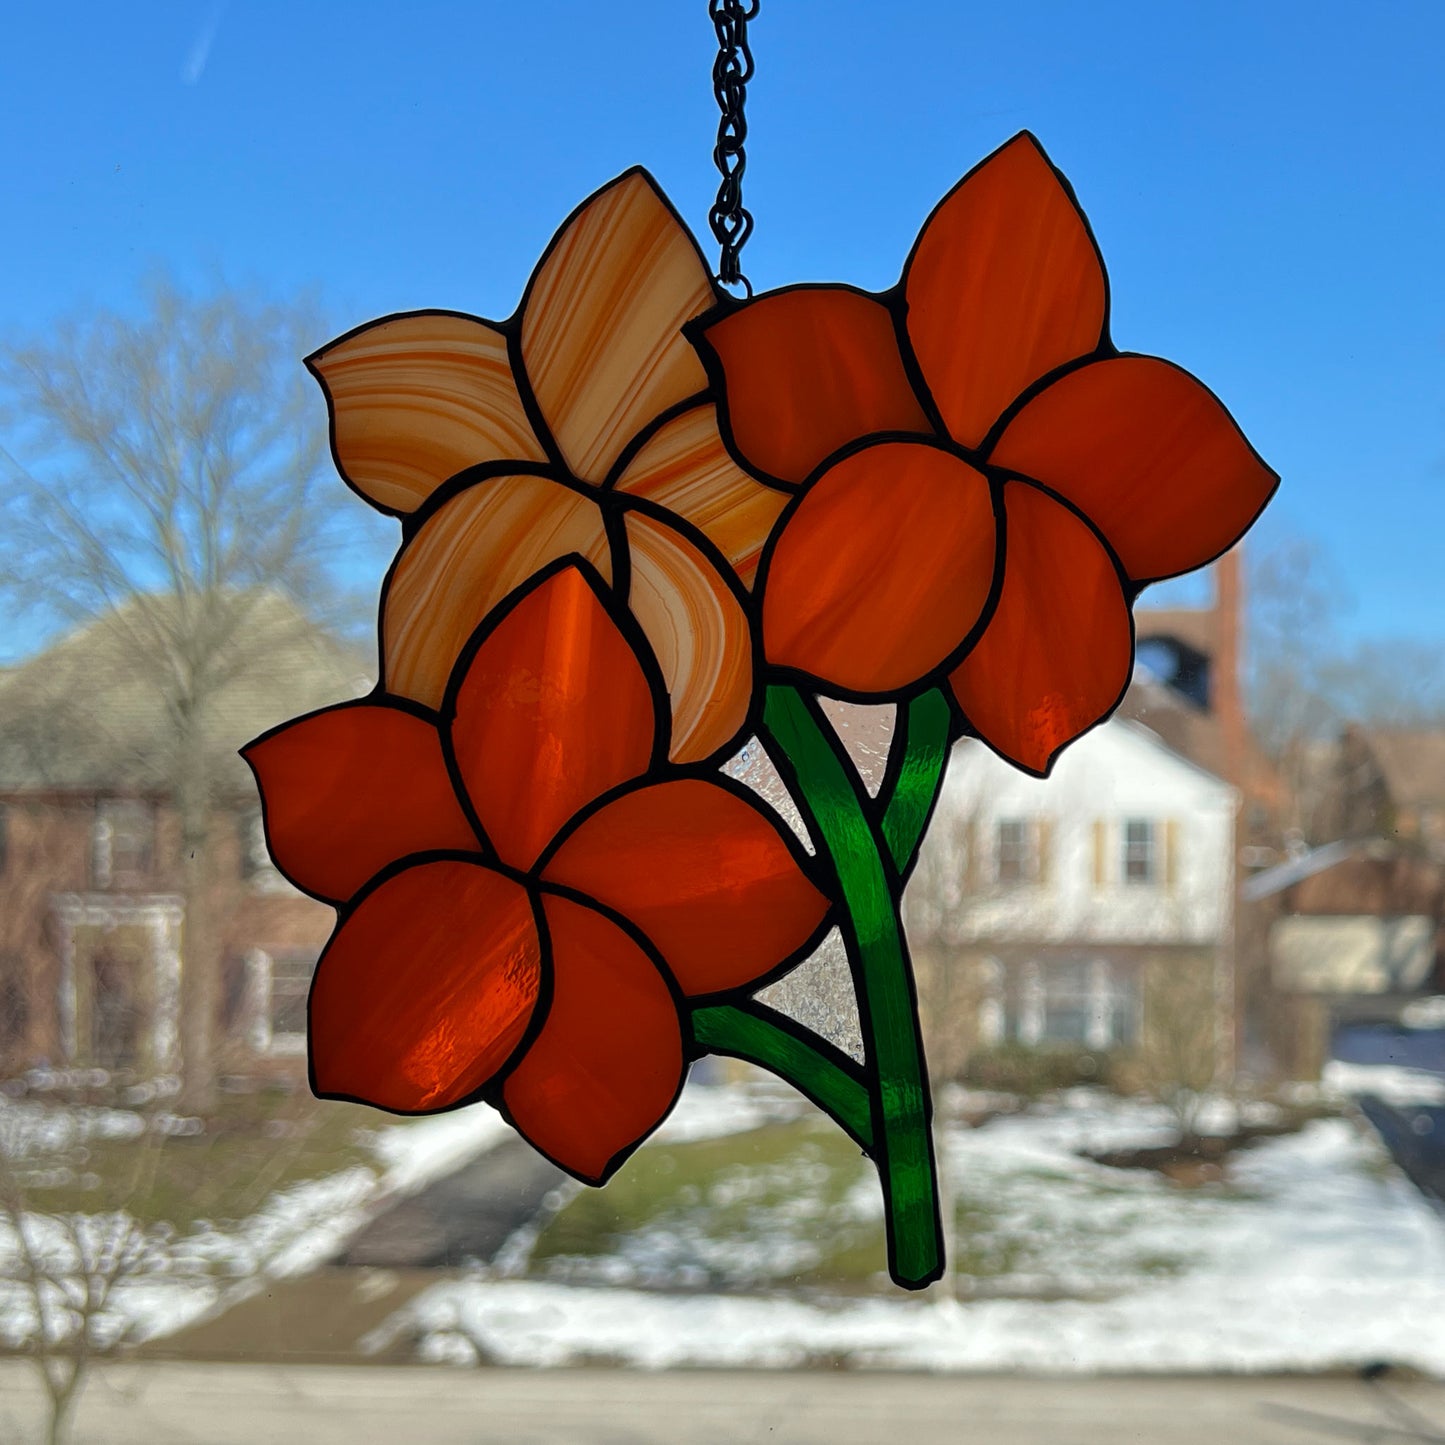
<point x="1150" y="736"/>
<point x="1284" y="875"/>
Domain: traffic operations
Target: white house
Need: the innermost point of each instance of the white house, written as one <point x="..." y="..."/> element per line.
<point x="1070" y="907"/>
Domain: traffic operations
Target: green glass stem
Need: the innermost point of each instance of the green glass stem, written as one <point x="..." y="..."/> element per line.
<point x="811" y="1065"/>
<point x="839" y="816"/>
<point x="908" y="798"/>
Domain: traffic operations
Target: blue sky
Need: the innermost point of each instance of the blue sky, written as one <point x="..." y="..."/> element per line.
<point x="1264" y="180"/>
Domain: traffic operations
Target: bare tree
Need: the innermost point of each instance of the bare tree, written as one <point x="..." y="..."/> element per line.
<point x="86" y="1196"/>
<point x="947" y="977"/>
<point x="1178" y="1060"/>
<point x="63" y="1267"/>
<point x="1394" y="682"/>
<point x="1293" y="665"/>
<point x="1306" y="682"/>
<point x="164" y="473"/>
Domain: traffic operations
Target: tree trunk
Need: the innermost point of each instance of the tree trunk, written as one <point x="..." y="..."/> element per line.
<point x="198" y="965"/>
<point x="62" y="1407"/>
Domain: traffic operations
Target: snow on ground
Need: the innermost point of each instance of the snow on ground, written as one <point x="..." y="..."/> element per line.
<point x="183" y="1277"/>
<point x="1321" y="1208"/>
<point x="1221" y="1326"/>
<point x="421" y="1151"/>
<point x="296" y="1230"/>
<point x="1393" y="1083"/>
<point x="300" y="1228"/>
<point x="712" y="1111"/>
<point x="32" y="1128"/>
<point x="1316" y="1254"/>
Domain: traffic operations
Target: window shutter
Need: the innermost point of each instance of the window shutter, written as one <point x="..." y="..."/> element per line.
<point x="1043" y="849"/>
<point x="1101" y="853"/>
<point x="1171" y="852"/>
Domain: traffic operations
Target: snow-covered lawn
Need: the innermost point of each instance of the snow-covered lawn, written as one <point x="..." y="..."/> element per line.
<point x="187" y="1273"/>
<point x="757" y="1231"/>
<point x="1313" y="1253"/>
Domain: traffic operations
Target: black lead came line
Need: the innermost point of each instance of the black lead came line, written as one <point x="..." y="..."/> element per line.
<point x="731" y="221"/>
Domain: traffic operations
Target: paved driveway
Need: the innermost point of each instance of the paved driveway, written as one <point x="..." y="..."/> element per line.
<point x="198" y="1404"/>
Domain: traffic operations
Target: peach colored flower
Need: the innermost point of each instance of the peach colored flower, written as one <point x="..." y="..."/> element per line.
<point x="582" y="426"/>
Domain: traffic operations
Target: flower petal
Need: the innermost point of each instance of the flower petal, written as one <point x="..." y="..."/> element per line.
<point x="467" y="556"/>
<point x="704" y="873"/>
<point x="1149" y="454"/>
<point x="1057" y="653"/>
<point x="416" y="399"/>
<point x="607" y="1064"/>
<point x="426" y="988"/>
<point x="685" y="468"/>
<point x="553" y="710"/>
<point x="1004" y="284"/>
<point x="601" y="325"/>
<point x="350" y="789"/>
<point x="882" y="570"/>
<point x="807" y="371"/>
<point x="699" y="634"/>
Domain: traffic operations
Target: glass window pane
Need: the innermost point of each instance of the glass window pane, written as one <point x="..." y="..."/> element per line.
<point x="1140" y="854"/>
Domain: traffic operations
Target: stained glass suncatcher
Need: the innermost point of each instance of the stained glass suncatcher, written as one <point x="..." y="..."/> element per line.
<point x="642" y="522"/>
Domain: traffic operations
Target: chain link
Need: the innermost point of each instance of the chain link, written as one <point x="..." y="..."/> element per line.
<point x="731" y="221"/>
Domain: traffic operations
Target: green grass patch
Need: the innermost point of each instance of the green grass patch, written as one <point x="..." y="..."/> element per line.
<point x="796" y="1206"/>
<point x="784" y="1205"/>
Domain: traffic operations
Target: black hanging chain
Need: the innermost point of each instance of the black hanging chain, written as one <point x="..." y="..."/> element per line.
<point x="731" y="221"/>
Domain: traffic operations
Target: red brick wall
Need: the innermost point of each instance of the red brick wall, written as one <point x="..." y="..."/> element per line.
<point x="50" y="843"/>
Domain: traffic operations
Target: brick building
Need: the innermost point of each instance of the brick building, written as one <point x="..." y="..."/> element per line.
<point x="94" y="940"/>
<point x="1355" y="932"/>
<point x="1390" y="783"/>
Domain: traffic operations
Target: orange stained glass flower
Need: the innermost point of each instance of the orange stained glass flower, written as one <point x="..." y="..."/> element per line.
<point x="528" y="892"/>
<point x="580" y="425"/>
<point x="986" y="483"/>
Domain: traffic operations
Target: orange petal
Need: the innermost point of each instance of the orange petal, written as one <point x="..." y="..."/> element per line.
<point x="601" y="325"/>
<point x="1149" y="454"/>
<point x="685" y="468"/>
<point x="467" y="556"/>
<point x="554" y="710"/>
<point x="882" y="570"/>
<point x="607" y="1064"/>
<point x="1058" y="650"/>
<point x="1003" y="285"/>
<point x="426" y="989"/>
<point x="699" y="634"/>
<point x="349" y="790"/>
<point x="704" y="873"/>
<point x="806" y="372"/>
<point x="417" y="399"/>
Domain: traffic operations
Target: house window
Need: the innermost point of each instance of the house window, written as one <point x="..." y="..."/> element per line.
<point x="1067" y="1002"/>
<point x="1086" y="1001"/>
<point x="1120" y="1007"/>
<point x="1019" y="849"/>
<point x="124" y="844"/>
<point x="1013" y="852"/>
<point x="278" y="985"/>
<point x="1141" y="860"/>
<point x="290" y="984"/>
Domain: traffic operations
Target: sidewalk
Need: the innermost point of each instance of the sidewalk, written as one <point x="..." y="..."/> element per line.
<point x="198" y="1404"/>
